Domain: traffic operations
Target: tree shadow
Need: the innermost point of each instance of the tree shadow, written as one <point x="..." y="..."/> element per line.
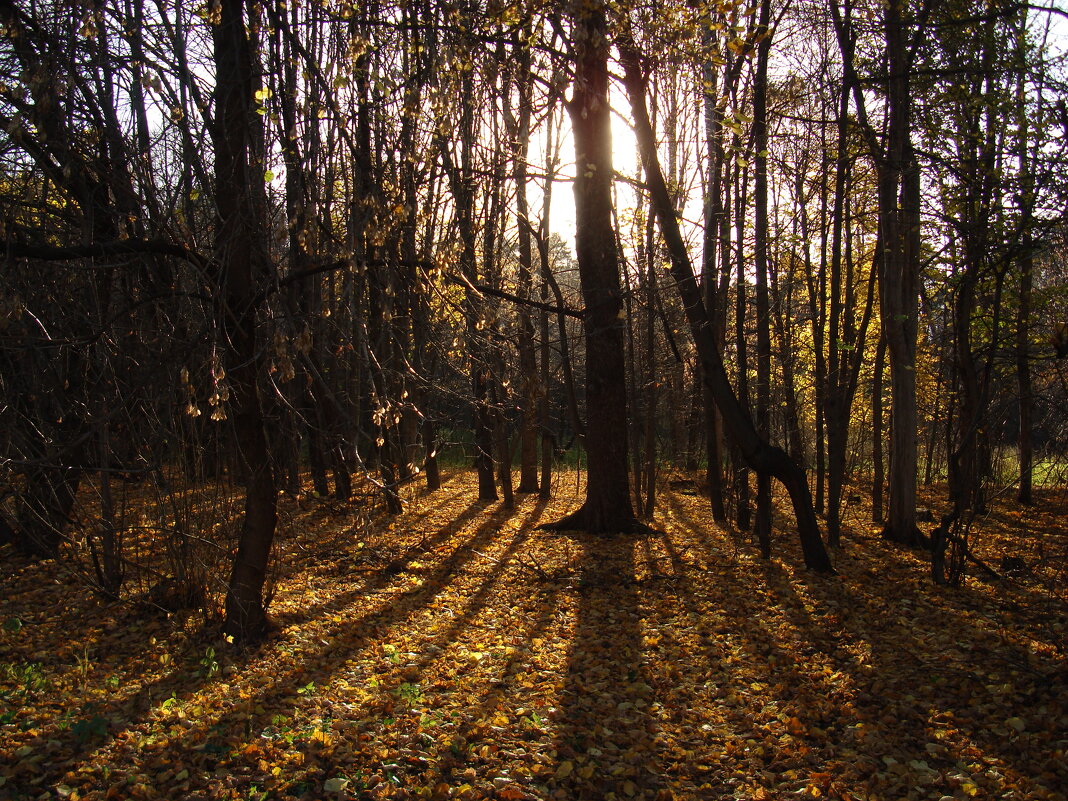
<point x="112" y="718"/>
<point x="882" y="669"/>
<point x="605" y="739"/>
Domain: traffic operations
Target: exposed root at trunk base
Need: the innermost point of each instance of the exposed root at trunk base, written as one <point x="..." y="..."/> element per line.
<point x="579" y="520"/>
<point x="914" y="539"/>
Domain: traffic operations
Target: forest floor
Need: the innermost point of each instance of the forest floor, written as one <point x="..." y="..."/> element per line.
<point x="458" y="652"/>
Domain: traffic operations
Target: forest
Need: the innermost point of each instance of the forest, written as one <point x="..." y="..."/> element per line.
<point x="542" y="400"/>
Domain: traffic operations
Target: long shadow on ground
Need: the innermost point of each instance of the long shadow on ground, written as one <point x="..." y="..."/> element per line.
<point x="606" y="738"/>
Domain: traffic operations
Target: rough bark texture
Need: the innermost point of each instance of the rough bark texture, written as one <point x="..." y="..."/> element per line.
<point x="607" y="508"/>
<point x="240" y="256"/>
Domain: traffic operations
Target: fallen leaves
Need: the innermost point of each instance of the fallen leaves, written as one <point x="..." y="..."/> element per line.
<point x="460" y="653"/>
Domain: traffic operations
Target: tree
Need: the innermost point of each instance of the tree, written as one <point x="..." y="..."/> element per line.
<point x="898" y="172"/>
<point x="764" y="458"/>
<point x="607" y="507"/>
<point x="240" y="259"/>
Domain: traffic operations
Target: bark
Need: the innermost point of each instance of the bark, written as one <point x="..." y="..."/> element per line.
<point x="968" y="467"/>
<point x="817" y="316"/>
<point x="878" y="478"/>
<point x="836" y="407"/>
<point x="715" y="216"/>
<point x="530" y="389"/>
<point x="652" y="382"/>
<point x="899" y="224"/>
<point x="240" y="258"/>
<point x="607" y="508"/>
<point x="760" y="235"/>
<point x="1023" y="378"/>
<point x="743" y="508"/>
<point x="544" y="402"/>
<point x="782" y="302"/>
<point x="1025" y="442"/>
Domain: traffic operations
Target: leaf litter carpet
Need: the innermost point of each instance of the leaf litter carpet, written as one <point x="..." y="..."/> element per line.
<point x="458" y="652"/>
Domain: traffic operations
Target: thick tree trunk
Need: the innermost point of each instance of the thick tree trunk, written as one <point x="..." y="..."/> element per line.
<point x="607" y="508"/>
<point x="241" y="256"/>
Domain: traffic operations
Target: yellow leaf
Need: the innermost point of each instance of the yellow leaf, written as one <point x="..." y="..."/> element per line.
<point x="564" y="770"/>
<point x="323" y="737"/>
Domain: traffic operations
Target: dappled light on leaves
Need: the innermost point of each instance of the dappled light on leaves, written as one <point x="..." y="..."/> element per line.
<point x="459" y="652"/>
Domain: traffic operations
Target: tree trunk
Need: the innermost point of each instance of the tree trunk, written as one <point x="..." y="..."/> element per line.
<point x="528" y="363"/>
<point x="878" y="478"/>
<point x="715" y="218"/>
<point x="899" y="226"/>
<point x="241" y="258"/>
<point x="816" y="285"/>
<point x="743" y="509"/>
<point x="1023" y="377"/>
<point x="837" y="407"/>
<point x="607" y="508"/>
<point x="760" y="236"/>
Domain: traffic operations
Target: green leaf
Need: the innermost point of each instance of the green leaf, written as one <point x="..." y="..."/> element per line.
<point x="268" y="176"/>
<point x="12" y="624"/>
